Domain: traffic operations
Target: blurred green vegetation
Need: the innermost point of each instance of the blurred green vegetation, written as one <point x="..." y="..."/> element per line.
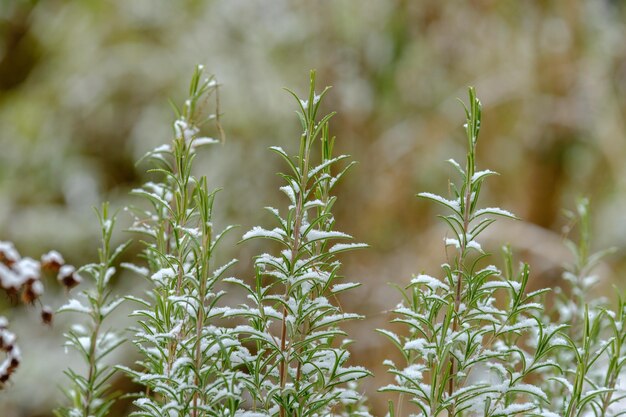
<point x="84" y="88"/>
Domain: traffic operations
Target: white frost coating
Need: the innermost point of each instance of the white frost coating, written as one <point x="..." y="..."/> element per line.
<point x="431" y="282"/>
<point x="521" y="325"/>
<point x="339" y="247"/>
<point x="423" y="346"/>
<point x="480" y="174"/>
<point x="75" y="305"/>
<point x="108" y="274"/>
<point x="27" y="268"/>
<point x="474" y="245"/>
<point x="514" y="409"/>
<point x="111" y="306"/>
<point x="52" y="257"/>
<point x="162" y="149"/>
<point x="185" y="130"/>
<point x="257" y="231"/>
<point x="203" y="141"/>
<point x="314" y="203"/>
<point x="314" y="171"/>
<point x="278" y="149"/>
<point x="37" y="288"/>
<point x="240" y="413"/>
<point x="532" y="389"/>
<point x="343" y="287"/>
<point x="9" y="251"/>
<point x="494" y="210"/>
<point x="139" y="270"/>
<point x="413" y="372"/>
<point x="162" y="274"/>
<point x="8" y="278"/>
<point x="456" y="164"/>
<point x="289" y="191"/>
<point x="322" y="234"/>
<point x="454" y="205"/>
<point x="452" y="242"/>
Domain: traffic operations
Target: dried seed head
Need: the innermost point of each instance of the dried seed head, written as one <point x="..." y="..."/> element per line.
<point x="47" y="315"/>
<point x="28" y="270"/>
<point x="7" y="344"/>
<point x="8" y="254"/>
<point x="68" y="277"/>
<point x="52" y="262"/>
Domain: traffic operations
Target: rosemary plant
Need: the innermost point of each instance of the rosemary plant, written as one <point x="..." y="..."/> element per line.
<point x="299" y="367"/>
<point x="465" y="353"/>
<point x="594" y="334"/>
<point x="90" y="394"/>
<point x="189" y="364"/>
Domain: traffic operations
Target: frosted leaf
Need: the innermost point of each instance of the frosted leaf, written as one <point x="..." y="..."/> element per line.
<point x="474" y="245"/>
<point x="413" y="372"/>
<point x="278" y="149"/>
<point x="343" y="287"/>
<point x="340" y="247"/>
<point x="336" y="318"/>
<point x="456" y="165"/>
<point x="452" y="242"/>
<point x="257" y="231"/>
<point x="515" y="409"/>
<point x="322" y="234"/>
<point x="241" y="413"/>
<point x="108" y="275"/>
<point x="105" y="310"/>
<point x="531" y="389"/>
<point x="452" y="204"/>
<point x="163" y="275"/>
<point x="494" y="210"/>
<point x="203" y="141"/>
<point x="75" y="305"/>
<point x="185" y="130"/>
<point x="481" y="174"/>
<point x="162" y="149"/>
<point x="314" y="171"/>
<point x="431" y="282"/>
<point x="139" y="270"/>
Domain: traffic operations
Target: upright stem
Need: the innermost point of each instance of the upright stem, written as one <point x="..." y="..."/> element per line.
<point x="299" y="214"/>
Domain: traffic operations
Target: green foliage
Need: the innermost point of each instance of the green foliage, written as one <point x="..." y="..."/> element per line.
<point x="477" y="341"/>
<point x="90" y="394"/>
<point x="302" y="369"/>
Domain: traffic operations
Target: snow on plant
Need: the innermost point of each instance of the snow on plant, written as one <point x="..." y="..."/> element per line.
<point x="90" y="394"/>
<point x="594" y="333"/>
<point x="189" y="364"/>
<point x="24" y="277"/>
<point x="299" y="362"/>
<point x="465" y="352"/>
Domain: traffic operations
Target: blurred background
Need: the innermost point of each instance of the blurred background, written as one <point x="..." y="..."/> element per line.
<point x="83" y="94"/>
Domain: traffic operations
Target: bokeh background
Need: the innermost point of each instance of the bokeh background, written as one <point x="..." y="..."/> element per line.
<point x="83" y="94"/>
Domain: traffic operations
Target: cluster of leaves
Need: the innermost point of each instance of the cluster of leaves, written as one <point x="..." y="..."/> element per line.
<point x="90" y="394"/>
<point x="464" y="351"/>
<point x="189" y="364"/>
<point x="299" y="364"/>
<point x="594" y="337"/>
<point x="479" y="344"/>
